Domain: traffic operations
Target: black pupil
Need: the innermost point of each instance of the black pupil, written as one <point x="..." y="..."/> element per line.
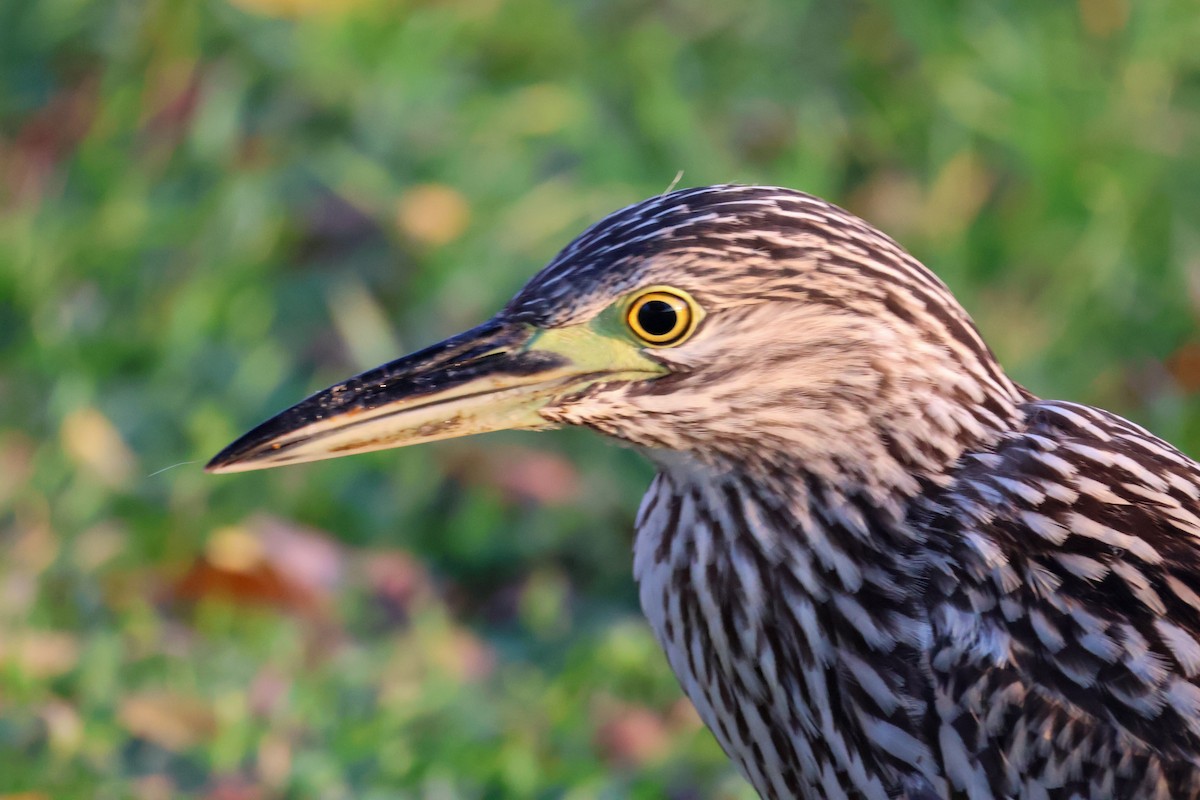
<point x="657" y="317"/>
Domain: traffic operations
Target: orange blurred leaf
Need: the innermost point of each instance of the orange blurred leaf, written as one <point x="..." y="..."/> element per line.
<point x="40" y="654"/>
<point x="16" y="464"/>
<point x="1184" y="366"/>
<point x="257" y="584"/>
<point x="172" y="721"/>
<point x="155" y="787"/>
<point x="95" y="445"/>
<point x="269" y="562"/>
<point x="432" y="214"/>
<point x="274" y="762"/>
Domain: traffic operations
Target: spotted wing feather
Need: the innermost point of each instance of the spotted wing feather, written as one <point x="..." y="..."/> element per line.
<point x="1065" y="607"/>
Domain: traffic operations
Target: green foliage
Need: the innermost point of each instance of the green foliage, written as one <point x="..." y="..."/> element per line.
<point x="208" y="209"/>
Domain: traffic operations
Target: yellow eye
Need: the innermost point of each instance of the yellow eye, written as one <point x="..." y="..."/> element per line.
<point x="662" y="317"/>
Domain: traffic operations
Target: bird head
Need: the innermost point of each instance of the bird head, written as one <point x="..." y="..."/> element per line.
<point x="724" y="326"/>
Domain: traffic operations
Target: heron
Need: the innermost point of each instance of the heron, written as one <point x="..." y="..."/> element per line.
<point x="878" y="567"/>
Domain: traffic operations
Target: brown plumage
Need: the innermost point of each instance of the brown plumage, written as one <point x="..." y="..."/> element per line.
<point x="879" y="567"/>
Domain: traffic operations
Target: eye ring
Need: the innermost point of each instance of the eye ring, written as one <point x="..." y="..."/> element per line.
<point x="662" y="316"/>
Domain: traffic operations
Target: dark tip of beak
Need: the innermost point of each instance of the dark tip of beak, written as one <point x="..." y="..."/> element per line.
<point x="258" y="440"/>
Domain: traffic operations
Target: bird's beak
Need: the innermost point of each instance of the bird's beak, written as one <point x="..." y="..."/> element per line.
<point x="495" y="377"/>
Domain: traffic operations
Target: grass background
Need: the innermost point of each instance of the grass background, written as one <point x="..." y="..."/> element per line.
<point x="210" y="208"/>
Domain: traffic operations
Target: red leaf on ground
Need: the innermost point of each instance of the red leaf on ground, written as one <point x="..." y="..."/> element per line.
<point x="269" y="562"/>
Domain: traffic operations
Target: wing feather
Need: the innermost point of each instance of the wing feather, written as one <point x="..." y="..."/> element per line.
<point x="1065" y="607"/>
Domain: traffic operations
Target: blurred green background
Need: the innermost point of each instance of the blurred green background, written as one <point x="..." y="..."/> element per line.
<point x="210" y="208"/>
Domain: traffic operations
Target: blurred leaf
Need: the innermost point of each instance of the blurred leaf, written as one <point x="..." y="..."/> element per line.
<point x="16" y="464"/>
<point x="40" y="654"/>
<point x="956" y="197"/>
<point x="363" y="326"/>
<point x="96" y="446"/>
<point x="1184" y="365"/>
<point x="274" y="761"/>
<point x="172" y="721"/>
<point x="1103" y="18"/>
<point x="64" y="727"/>
<point x="155" y="787"/>
<point x="268" y="562"/>
<point x="633" y="737"/>
<point x="432" y="214"/>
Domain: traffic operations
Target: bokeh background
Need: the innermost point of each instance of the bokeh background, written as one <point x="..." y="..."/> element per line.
<point x="209" y="208"/>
